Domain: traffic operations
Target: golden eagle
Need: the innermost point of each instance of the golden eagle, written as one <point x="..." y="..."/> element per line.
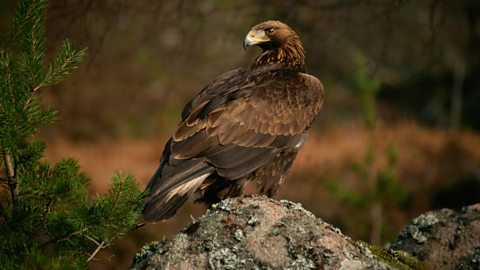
<point x="246" y="125"/>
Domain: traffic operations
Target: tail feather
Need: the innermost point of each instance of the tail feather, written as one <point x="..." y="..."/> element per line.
<point x="170" y="187"/>
<point x="172" y="177"/>
<point x="161" y="209"/>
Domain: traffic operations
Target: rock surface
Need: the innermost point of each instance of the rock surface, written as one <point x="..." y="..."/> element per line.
<point x="444" y="239"/>
<point x="258" y="233"/>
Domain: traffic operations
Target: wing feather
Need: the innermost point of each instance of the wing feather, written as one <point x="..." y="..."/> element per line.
<point x="246" y="115"/>
<point x="241" y="121"/>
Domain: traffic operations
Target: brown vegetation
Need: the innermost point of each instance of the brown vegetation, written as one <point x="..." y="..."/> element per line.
<point x="429" y="160"/>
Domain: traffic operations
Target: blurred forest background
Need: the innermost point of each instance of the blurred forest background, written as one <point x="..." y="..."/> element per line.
<point x="399" y="133"/>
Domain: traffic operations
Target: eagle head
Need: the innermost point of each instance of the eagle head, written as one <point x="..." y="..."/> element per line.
<point x="269" y="35"/>
<point x="280" y="44"/>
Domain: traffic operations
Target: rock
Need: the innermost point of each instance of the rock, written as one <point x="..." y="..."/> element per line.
<point x="444" y="239"/>
<point x="258" y="233"/>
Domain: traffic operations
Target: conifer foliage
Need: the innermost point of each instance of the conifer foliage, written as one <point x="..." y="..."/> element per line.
<point x="47" y="220"/>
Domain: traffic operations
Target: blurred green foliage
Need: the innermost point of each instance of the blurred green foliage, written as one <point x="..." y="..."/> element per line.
<point x="366" y="86"/>
<point x="146" y="57"/>
<point x="46" y="218"/>
<point x="379" y="184"/>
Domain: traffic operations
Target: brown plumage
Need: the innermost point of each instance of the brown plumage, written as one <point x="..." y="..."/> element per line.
<point x="246" y="125"/>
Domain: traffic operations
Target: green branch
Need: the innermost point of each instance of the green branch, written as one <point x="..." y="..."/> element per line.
<point x="47" y="220"/>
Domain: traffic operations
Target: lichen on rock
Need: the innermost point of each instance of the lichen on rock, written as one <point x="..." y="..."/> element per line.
<point x="258" y="233"/>
<point x="444" y="239"/>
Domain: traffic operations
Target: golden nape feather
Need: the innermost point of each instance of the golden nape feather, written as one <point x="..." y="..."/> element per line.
<point x="246" y="125"/>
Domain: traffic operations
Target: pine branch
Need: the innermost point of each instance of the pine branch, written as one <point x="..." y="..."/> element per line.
<point x="65" y="62"/>
<point x="27" y="14"/>
<point x="99" y="247"/>
<point x="10" y="173"/>
<point x="124" y="194"/>
<point x="48" y="219"/>
<point x="58" y="239"/>
<point x="7" y="83"/>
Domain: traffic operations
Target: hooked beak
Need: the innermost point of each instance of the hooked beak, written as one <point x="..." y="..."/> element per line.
<point x="255" y="37"/>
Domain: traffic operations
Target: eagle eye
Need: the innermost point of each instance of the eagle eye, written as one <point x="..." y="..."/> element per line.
<point x="269" y="31"/>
